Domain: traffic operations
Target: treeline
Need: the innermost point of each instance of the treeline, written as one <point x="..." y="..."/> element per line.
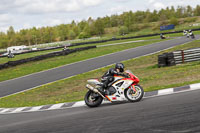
<point x="120" y="24"/>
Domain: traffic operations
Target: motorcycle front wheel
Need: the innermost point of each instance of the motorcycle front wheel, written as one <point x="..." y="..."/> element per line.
<point x="93" y="99"/>
<point x="134" y="96"/>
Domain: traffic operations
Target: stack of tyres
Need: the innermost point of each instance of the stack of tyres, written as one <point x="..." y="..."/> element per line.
<point x="170" y="59"/>
<point x="162" y="60"/>
<point x="166" y="59"/>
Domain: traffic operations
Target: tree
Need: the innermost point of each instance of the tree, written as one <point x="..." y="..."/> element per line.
<point x="127" y="19"/>
<point x="3" y="40"/>
<point x="180" y="12"/>
<point x="162" y="14"/>
<point x="81" y="25"/>
<point x="99" y="27"/>
<point x="139" y="16"/>
<point x="10" y="32"/>
<point x="197" y="11"/>
<point x="11" y="36"/>
<point x="189" y="11"/>
<point x="35" y="34"/>
<point x="114" y="20"/>
<point x="72" y="34"/>
<point x="63" y="32"/>
<point x="152" y="17"/>
<point x="107" y="22"/>
<point x="86" y="31"/>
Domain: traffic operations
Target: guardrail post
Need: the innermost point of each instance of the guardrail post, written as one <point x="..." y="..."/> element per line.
<point x="182" y="54"/>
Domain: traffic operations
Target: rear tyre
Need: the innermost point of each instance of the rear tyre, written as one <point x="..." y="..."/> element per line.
<point x="134" y="96"/>
<point x="93" y="99"/>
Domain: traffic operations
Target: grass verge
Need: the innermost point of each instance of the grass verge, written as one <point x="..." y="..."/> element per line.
<point x="73" y="89"/>
<point x="28" y="55"/>
<point x="32" y="67"/>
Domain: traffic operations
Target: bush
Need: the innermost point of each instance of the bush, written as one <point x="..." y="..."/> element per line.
<point x="189" y="20"/>
<point x="123" y="30"/>
<point x="72" y="35"/>
<point x="156" y="26"/>
<point x="174" y="21"/>
<point x="161" y="23"/>
<point x="83" y="35"/>
<point x="112" y="30"/>
<point x="134" y="27"/>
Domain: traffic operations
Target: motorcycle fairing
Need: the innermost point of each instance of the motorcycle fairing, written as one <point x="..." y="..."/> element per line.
<point x="119" y="95"/>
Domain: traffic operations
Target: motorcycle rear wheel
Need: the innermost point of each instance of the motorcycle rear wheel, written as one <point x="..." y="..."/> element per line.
<point x="93" y="99"/>
<point x="134" y="97"/>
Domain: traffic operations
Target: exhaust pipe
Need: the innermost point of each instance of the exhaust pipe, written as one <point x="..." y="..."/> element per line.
<point x="94" y="90"/>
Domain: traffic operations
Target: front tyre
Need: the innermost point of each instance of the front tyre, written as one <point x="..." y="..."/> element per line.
<point x="134" y="96"/>
<point x="93" y="99"/>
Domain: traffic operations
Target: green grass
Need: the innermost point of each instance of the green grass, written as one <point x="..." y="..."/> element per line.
<point x="28" y="55"/>
<point x="118" y="41"/>
<point x="46" y="64"/>
<point x="73" y="89"/>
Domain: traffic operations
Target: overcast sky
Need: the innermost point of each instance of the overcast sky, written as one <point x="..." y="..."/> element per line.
<point x="28" y="13"/>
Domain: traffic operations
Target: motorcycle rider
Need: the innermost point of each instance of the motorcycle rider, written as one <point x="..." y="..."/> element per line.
<point x="190" y="33"/>
<point x="162" y="36"/>
<point x="185" y="32"/>
<point x="108" y="77"/>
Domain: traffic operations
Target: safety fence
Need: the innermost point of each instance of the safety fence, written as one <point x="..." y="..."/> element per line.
<point x="189" y="55"/>
<point x="178" y="57"/>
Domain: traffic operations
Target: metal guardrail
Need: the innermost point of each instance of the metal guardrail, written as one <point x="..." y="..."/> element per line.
<point x="189" y="55"/>
<point x="178" y="57"/>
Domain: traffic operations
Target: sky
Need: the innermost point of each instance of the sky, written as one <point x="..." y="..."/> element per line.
<point x="23" y="14"/>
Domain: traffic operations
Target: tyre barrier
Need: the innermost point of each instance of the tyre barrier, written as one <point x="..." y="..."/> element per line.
<point x="42" y="57"/>
<point x="178" y="57"/>
<point x="166" y="59"/>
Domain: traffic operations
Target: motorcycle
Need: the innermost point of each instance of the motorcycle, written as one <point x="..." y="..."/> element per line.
<point x="121" y="89"/>
<point x="192" y="35"/>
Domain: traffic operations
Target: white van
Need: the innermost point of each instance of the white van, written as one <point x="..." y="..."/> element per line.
<point x="17" y="49"/>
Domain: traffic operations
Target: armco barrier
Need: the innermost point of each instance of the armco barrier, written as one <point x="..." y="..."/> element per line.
<point x="178" y="57"/>
<point x="189" y="55"/>
<point x="42" y="57"/>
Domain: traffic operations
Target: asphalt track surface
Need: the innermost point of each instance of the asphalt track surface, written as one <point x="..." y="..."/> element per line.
<point x="23" y="83"/>
<point x="176" y="113"/>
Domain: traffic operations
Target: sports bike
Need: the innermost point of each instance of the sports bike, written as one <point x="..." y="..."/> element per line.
<point x="121" y="89"/>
